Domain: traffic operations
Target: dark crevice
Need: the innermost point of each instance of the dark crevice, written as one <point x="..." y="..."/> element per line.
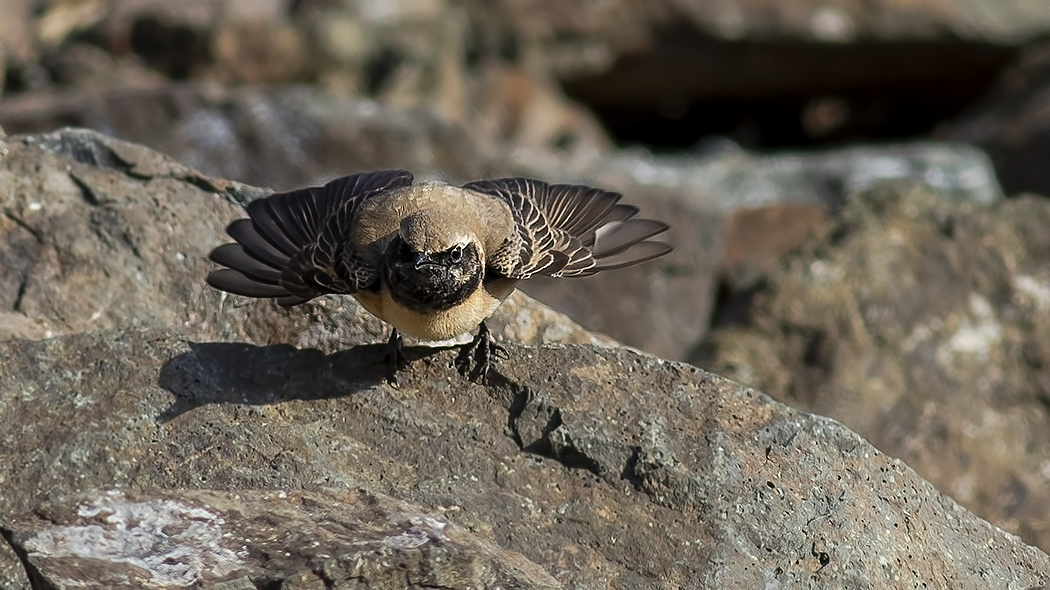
<point x="268" y="584"/>
<point x="36" y="581"/>
<point x="380" y="68"/>
<point x="20" y="296"/>
<point x="683" y="88"/>
<point x="86" y="192"/>
<point x="178" y="51"/>
<point x="630" y="469"/>
<point x="518" y="403"/>
<point x="551" y="441"/>
<point x="22" y="224"/>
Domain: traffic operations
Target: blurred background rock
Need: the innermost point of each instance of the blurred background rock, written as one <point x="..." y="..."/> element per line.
<point x="750" y="125"/>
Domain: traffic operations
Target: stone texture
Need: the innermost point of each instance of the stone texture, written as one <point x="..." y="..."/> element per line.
<point x="921" y="322"/>
<point x="600" y="465"/>
<point x="252" y="539"/>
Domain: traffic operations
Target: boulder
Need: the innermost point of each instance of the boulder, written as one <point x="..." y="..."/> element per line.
<point x="921" y="322"/>
<point x="602" y="466"/>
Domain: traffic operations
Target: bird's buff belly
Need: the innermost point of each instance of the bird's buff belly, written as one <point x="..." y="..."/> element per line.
<point x="438" y="325"/>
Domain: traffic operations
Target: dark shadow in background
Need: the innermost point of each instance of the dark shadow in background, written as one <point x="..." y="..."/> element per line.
<point x="237" y="373"/>
<point x="769" y="95"/>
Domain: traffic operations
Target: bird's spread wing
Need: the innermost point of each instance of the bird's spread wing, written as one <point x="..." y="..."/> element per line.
<point x="572" y="230"/>
<point x="293" y="246"/>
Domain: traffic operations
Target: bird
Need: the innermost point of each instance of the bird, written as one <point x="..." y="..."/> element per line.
<point x="432" y="259"/>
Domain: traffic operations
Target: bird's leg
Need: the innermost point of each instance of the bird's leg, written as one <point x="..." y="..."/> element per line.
<point x="395" y="356"/>
<point x="480" y="353"/>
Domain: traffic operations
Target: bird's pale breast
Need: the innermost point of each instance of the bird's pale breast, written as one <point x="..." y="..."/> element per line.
<point x="441" y="325"/>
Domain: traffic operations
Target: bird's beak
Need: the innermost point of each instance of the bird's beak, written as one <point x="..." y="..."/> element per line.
<point x="424" y="260"/>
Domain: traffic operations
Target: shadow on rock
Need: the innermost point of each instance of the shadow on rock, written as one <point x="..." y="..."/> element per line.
<point x="238" y="373"/>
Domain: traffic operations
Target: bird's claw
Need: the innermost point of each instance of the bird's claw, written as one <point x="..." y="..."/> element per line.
<point x="477" y="356"/>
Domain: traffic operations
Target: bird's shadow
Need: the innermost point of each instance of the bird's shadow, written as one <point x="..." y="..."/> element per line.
<point x="237" y="373"/>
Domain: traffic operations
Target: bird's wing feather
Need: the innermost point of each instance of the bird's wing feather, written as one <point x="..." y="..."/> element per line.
<point x="570" y="230"/>
<point x="293" y="245"/>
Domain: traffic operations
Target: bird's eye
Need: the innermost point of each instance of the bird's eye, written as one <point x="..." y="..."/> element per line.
<point x="456" y="253"/>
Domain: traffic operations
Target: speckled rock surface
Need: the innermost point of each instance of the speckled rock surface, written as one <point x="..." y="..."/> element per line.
<point x="251" y="539"/>
<point x="604" y="467"/>
<point x="922" y="323"/>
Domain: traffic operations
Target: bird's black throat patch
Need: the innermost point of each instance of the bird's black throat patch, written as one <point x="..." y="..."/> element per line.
<point x="436" y="287"/>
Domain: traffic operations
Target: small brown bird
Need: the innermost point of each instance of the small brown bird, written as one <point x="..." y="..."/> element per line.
<point x="432" y="259"/>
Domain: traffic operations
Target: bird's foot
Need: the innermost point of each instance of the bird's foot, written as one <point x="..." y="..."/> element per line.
<point x="477" y="356"/>
<point x="395" y="357"/>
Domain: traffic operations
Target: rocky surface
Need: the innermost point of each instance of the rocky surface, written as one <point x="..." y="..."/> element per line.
<point x="920" y="322"/>
<point x="602" y="466"/>
<point x="250" y="538"/>
<point x="911" y="317"/>
<point x="279" y="138"/>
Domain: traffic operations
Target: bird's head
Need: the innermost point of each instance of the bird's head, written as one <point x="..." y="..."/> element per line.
<point x="435" y="262"/>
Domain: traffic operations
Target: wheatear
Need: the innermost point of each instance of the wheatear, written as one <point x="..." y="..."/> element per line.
<point x="433" y="260"/>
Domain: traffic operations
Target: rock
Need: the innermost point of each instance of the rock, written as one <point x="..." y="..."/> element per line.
<point x="728" y="178"/>
<point x="16" y="42"/>
<point x="714" y="199"/>
<point x="1012" y="125"/>
<point x="599" y="465"/>
<point x="757" y="240"/>
<point x="12" y="573"/>
<point x="164" y="539"/>
<point x="921" y="322"/>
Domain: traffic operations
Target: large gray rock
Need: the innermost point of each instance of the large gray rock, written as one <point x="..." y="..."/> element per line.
<point x="922" y="323"/>
<point x="600" y="465"/>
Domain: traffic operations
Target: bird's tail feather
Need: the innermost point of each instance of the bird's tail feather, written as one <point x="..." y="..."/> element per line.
<point x="266" y="244"/>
